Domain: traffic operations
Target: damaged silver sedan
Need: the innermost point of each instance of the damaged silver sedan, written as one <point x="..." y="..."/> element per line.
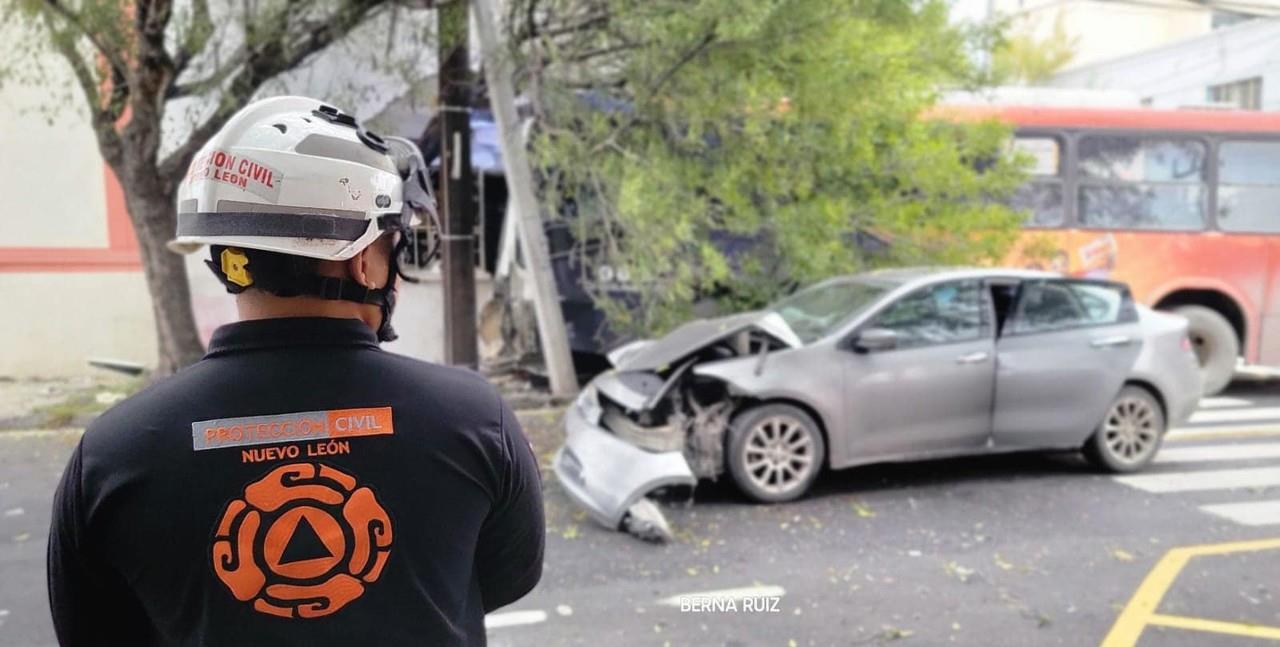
<point x="884" y="366"/>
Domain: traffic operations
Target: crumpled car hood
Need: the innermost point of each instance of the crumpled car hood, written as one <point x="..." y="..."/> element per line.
<point x="698" y="334"/>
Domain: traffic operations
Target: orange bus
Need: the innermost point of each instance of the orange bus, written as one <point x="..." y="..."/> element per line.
<point x="1183" y="205"/>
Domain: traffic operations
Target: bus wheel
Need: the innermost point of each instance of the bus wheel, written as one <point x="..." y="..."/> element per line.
<point x="1215" y="344"/>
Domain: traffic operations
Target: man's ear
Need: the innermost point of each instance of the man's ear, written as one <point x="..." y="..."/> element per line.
<point x="358" y="268"/>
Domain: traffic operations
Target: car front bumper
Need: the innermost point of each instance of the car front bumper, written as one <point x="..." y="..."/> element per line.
<point x="606" y="476"/>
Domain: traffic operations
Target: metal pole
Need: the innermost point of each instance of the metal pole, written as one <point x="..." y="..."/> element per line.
<point x="551" y="329"/>
<point x="457" y="263"/>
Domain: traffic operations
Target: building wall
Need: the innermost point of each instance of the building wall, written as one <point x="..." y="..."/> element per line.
<point x="1179" y="74"/>
<point x="1105" y="29"/>
<point x="70" y="275"/>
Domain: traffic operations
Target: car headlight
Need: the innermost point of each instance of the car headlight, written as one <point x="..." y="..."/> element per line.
<point x="588" y="404"/>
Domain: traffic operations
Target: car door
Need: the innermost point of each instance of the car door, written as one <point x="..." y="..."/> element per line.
<point x="1064" y="353"/>
<point x="931" y="393"/>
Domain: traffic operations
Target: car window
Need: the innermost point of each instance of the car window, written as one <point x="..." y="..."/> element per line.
<point x="937" y="314"/>
<point x="817" y="311"/>
<point x="1046" y="306"/>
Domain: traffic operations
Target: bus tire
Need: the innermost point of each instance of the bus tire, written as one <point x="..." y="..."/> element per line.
<point x="1215" y="343"/>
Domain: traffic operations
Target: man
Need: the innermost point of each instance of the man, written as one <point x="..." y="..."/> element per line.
<point x="298" y="486"/>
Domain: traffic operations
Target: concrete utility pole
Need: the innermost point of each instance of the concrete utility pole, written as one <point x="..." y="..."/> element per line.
<point x="551" y="331"/>
<point x="457" y="183"/>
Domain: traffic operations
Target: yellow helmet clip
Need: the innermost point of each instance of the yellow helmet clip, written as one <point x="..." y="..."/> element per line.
<point x="235" y="265"/>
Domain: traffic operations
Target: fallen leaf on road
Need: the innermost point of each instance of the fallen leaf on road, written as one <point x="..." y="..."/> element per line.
<point x="14" y="512"/>
<point x="862" y="510"/>
<point x="894" y="633"/>
<point x="1122" y="555"/>
<point x="571" y="532"/>
<point x="21" y="537"/>
<point x="1002" y="564"/>
<point x="957" y="571"/>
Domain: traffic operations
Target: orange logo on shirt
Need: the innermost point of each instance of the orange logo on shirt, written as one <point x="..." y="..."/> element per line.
<point x="302" y="541"/>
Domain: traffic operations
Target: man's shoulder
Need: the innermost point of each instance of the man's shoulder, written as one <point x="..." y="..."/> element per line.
<point x="155" y="406"/>
<point x="460" y="392"/>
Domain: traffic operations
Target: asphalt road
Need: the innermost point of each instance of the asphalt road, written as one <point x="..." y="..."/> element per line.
<point x="1011" y="550"/>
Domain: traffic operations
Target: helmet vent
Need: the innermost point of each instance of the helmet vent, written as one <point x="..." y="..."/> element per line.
<point x="281" y="127"/>
<point x="345" y="150"/>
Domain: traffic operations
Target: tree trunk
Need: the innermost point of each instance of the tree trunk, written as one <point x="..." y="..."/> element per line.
<point x="151" y="209"/>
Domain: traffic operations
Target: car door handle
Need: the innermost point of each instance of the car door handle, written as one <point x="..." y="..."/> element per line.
<point x="1107" y="342"/>
<point x="973" y="358"/>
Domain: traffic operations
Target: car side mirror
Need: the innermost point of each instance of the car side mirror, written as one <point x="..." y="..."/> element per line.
<point x="873" y="339"/>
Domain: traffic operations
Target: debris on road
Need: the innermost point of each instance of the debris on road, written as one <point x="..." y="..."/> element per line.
<point x="645" y="520"/>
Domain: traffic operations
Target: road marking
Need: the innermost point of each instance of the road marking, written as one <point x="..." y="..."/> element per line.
<point x="1235" y="415"/>
<point x="1252" y="513"/>
<point x="1220" y="402"/>
<point x="1187" y="434"/>
<point x="1141" y="609"/>
<point x="1215" y="626"/>
<point x="514" y="618"/>
<point x="1201" y="453"/>
<point x="1165" y="482"/>
<point x="763" y="591"/>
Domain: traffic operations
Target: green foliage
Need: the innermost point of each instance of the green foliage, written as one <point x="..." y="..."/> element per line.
<point x="1022" y="58"/>
<point x="788" y="123"/>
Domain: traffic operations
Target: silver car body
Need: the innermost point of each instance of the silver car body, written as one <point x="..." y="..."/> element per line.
<point x="1000" y="393"/>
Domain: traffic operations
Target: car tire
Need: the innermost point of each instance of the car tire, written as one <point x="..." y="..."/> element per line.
<point x="1129" y="436"/>
<point x="1216" y="346"/>
<point x="775" y="452"/>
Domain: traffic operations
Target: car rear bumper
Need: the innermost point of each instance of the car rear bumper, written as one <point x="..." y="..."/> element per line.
<point x="606" y="476"/>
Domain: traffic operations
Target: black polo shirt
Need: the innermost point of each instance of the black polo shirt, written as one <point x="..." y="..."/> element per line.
<point x="298" y="486"/>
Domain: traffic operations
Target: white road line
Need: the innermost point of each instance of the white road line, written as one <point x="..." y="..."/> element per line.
<point x="1202" y="453"/>
<point x="1254" y="513"/>
<point x="1235" y="415"/>
<point x="1221" y="431"/>
<point x="1221" y="402"/>
<point x="1204" y="480"/>
<point x="763" y="591"/>
<point x="514" y="618"/>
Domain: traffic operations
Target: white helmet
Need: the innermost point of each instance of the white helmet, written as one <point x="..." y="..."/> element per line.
<point x="295" y="176"/>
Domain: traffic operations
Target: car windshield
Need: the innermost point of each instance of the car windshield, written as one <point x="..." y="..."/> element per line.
<point x="817" y="311"/>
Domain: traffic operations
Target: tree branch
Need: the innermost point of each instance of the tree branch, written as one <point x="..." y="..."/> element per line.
<point x="111" y="55"/>
<point x="103" y="125"/>
<point x="263" y="64"/>
<point x="198" y="33"/>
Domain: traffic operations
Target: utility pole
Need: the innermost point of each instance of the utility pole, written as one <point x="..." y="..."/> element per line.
<point x="457" y="263"/>
<point x="551" y="331"/>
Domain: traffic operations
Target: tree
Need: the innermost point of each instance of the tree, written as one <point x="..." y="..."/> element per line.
<point x="734" y="147"/>
<point x="145" y="68"/>
<point x="1023" y="58"/>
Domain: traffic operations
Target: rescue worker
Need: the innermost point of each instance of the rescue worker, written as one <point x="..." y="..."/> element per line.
<point x="298" y="486"/>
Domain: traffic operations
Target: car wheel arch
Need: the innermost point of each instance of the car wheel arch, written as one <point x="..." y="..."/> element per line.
<point x="1152" y="389"/>
<point x="747" y="404"/>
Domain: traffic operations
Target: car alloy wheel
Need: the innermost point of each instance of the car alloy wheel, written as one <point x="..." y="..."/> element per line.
<point x="1130" y="434"/>
<point x="779" y="454"/>
<point x="1130" y="430"/>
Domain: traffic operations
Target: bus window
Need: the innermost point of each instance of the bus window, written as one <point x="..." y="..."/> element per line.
<point x="1249" y="186"/>
<point x="1042" y="197"/>
<point x="1135" y="183"/>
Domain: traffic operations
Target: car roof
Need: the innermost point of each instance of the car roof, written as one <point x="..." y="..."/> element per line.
<point x="932" y="274"/>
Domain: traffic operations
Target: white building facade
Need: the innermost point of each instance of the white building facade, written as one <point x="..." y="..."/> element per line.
<point x="1233" y="67"/>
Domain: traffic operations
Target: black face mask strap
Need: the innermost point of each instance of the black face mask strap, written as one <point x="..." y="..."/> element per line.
<point x="336" y="289"/>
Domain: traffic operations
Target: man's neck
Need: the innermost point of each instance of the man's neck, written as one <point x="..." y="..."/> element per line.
<point x="256" y="304"/>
